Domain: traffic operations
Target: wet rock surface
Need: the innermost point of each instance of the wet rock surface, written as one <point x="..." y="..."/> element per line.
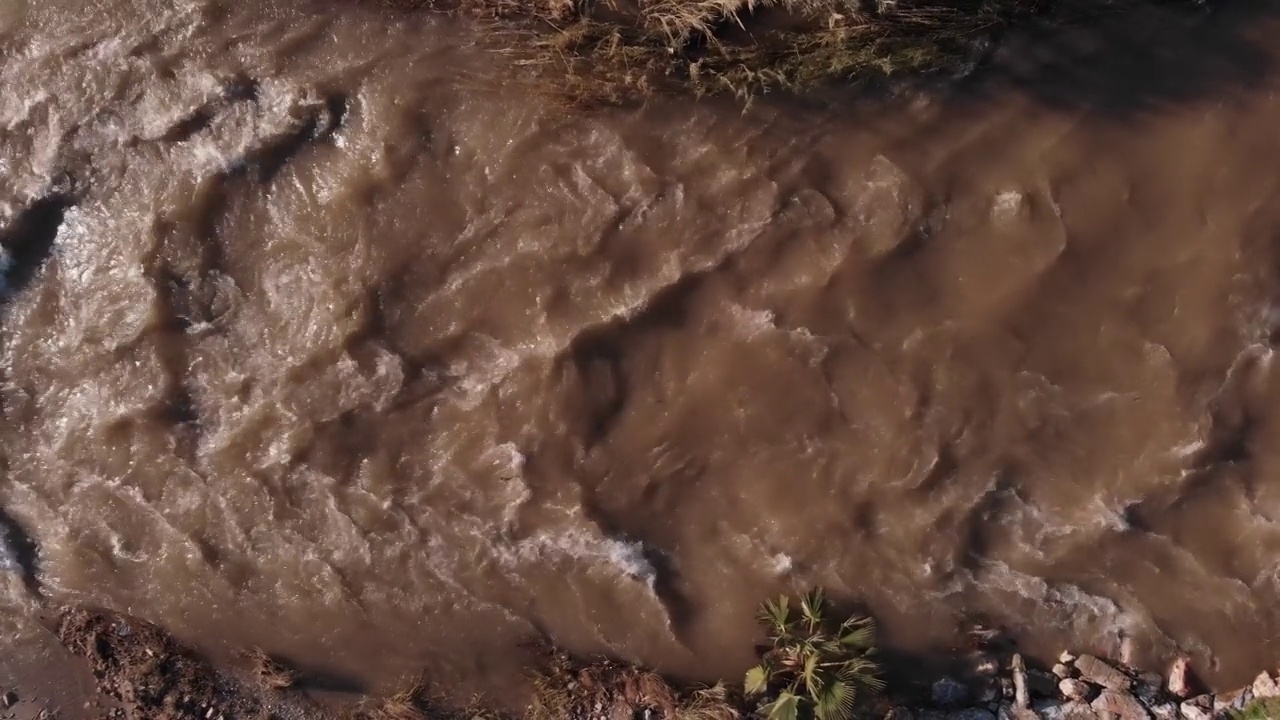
<point x="1087" y="687"/>
<point x="1102" y="673"/>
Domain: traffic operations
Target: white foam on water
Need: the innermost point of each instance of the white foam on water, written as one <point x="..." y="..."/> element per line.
<point x="748" y="323"/>
<point x="1007" y="204"/>
<point x="626" y="557"/>
<point x="1092" y="618"/>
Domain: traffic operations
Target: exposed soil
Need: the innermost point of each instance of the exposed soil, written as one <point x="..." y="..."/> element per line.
<point x="147" y="675"/>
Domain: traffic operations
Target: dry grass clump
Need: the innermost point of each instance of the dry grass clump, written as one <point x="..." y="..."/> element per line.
<point x="269" y="672"/>
<point x="416" y="702"/>
<point x="749" y="47"/>
<point x="569" y="690"/>
<point x="617" y="50"/>
<point x="410" y="703"/>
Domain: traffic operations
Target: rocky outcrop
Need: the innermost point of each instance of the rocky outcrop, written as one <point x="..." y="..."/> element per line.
<point x="1073" y="689"/>
<point x="1083" y="687"/>
<point x="1101" y="673"/>
<point x="1021" y="695"/>
<point x="1264" y="687"/>
<point x="1199" y="708"/>
<point x="1179" y="678"/>
<point x="1120" y="704"/>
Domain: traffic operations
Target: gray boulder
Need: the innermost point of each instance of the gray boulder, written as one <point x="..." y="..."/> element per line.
<point x="1180" y="678"/>
<point x="1197" y="708"/>
<point x="1042" y="683"/>
<point x="947" y="692"/>
<point x="972" y="714"/>
<point x="1235" y="700"/>
<point x="1073" y="689"/>
<point x="1101" y="673"/>
<point x="1265" y="687"/>
<point x="1059" y="710"/>
<point x="1121" y="704"/>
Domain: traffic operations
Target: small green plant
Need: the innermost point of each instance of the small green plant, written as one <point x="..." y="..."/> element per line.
<point x="1261" y="709"/>
<point x="812" y="669"/>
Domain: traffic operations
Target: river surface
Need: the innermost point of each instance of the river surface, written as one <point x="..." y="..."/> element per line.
<point x="323" y="332"/>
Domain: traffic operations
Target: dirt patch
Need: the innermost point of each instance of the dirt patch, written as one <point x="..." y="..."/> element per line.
<point x="150" y="676"/>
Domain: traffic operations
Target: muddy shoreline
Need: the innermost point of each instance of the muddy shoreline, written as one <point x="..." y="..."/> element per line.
<point x="137" y="671"/>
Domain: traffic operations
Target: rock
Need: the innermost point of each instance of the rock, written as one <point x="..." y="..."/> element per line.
<point x="1164" y="711"/>
<point x="1006" y="688"/>
<point x="1100" y="673"/>
<point x="1148" y="689"/>
<point x="1067" y="657"/>
<point x="1073" y="689"/>
<point x="1265" y="687"/>
<point x="1151" y="678"/>
<point x="1007" y="711"/>
<point x="1059" y="710"/>
<point x="1199" y="708"/>
<point x="1235" y="700"/>
<point x="889" y="203"/>
<point x="949" y="693"/>
<point x="9" y="699"/>
<point x="930" y="715"/>
<point x="972" y="714"/>
<point x="1062" y="671"/>
<point x="1126" y="651"/>
<point x="989" y="693"/>
<point x="1122" y="704"/>
<point x="1042" y="683"/>
<point x="1021" y="698"/>
<point x="1179" y="678"/>
<point x="899" y="713"/>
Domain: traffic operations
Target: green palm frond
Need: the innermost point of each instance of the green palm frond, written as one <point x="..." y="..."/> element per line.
<point x="817" y="669"/>
<point x="858" y="632"/>
<point x="810" y="674"/>
<point x="785" y="707"/>
<point x="776" y="616"/>
<point x="863" y="672"/>
<point x="812" y="605"/>
<point x="836" y="701"/>
<point x="757" y="680"/>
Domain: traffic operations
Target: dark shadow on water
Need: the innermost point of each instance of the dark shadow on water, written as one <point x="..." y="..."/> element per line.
<point x="1128" y="60"/>
<point x="1088" y="56"/>
<point x="20" y="548"/>
<point x="319" y="680"/>
<point x="29" y="240"/>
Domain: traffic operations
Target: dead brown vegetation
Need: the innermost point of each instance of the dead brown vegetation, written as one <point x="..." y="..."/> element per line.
<point x="152" y="676"/>
<point x="566" y="689"/>
<point x="615" y="50"/>
<point x="269" y="672"/>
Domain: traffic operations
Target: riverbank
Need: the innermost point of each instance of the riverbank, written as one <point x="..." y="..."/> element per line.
<point x="141" y="673"/>
<point x="612" y="52"/>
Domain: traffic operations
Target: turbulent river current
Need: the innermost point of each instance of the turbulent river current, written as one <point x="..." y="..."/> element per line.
<point x="321" y="331"/>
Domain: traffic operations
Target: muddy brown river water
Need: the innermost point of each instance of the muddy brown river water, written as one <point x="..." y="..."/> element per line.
<point x="321" y="332"/>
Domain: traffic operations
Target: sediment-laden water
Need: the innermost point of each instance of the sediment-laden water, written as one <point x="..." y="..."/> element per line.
<point x="323" y="332"/>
